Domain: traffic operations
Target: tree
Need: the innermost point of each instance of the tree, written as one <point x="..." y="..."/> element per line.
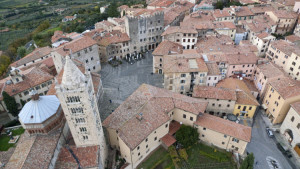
<point x="112" y="10"/>
<point x="21" y="51"/>
<point x="4" y="63"/>
<point x="219" y="5"/>
<point x="248" y="162"/>
<point x="187" y="135"/>
<point x="10" y="103"/>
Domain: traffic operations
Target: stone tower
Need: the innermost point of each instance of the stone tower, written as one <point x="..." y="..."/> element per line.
<point x="79" y="103"/>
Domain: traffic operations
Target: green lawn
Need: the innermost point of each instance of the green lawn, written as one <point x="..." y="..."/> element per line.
<point x="203" y="156"/>
<point x="4" y="145"/>
<point x="199" y="156"/>
<point x="159" y="159"/>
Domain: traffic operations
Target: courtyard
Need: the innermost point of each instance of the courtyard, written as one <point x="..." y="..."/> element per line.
<point x="200" y="156"/>
<point x="121" y="81"/>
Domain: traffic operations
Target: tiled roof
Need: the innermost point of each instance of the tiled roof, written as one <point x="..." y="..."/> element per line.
<point x="250" y="84"/>
<point x="261" y="9"/>
<point x="162" y="3"/>
<point x="58" y="35"/>
<point x="213" y="68"/>
<point x="221" y="13"/>
<point x="246" y="98"/>
<point x="168" y="140"/>
<point x="36" y="54"/>
<point x="223" y="126"/>
<point x="75" y="45"/>
<point x="177" y="29"/>
<point x="112" y="38"/>
<point x="283" y="14"/>
<point x="146" y="110"/>
<point x="270" y="70"/>
<point x="184" y="64"/>
<point x="237" y="59"/>
<point x="224" y="25"/>
<point x="292" y="38"/>
<point x="286" y="47"/>
<point x="235" y="84"/>
<point x="32" y="77"/>
<point x="286" y="87"/>
<point x="214" y="93"/>
<point x="296" y="106"/>
<point x="171" y="13"/>
<point x="247" y="1"/>
<point x="242" y="11"/>
<point x="167" y="47"/>
<point x="174" y="127"/>
<point x="264" y="35"/>
<point x="87" y="156"/>
<point x="34" y="151"/>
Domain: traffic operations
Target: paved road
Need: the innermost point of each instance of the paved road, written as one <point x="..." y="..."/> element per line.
<point x="263" y="146"/>
<point x="120" y="82"/>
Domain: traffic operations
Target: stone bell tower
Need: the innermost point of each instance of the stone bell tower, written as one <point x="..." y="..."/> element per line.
<point x="79" y="103"/>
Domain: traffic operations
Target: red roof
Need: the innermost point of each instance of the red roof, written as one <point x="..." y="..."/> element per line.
<point x="168" y="140"/>
<point x="174" y="127"/>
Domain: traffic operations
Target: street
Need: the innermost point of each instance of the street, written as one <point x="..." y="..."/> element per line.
<point x="264" y="147"/>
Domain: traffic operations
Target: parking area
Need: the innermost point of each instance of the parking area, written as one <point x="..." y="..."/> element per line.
<point x="121" y="81"/>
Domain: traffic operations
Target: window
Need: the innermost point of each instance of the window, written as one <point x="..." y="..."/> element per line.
<point x="139" y="154"/>
<point x="138" y="147"/>
<point x="213" y="104"/>
<point x="239" y="107"/>
<point x="293" y="118"/>
<point x="204" y="128"/>
<point x="37" y="88"/>
<point x="155" y="138"/>
<point x="182" y="81"/>
<point x="225" y="136"/>
<point x="250" y="108"/>
<point x="79" y="120"/>
<point x="82" y="129"/>
<point x="235" y="140"/>
<point x="220" y="105"/>
<point x="85" y="137"/>
<point x="191" y="118"/>
<point x="203" y="135"/>
<point x="146" y="140"/>
<point x="90" y="48"/>
<point x="228" y="105"/>
<point x="147" y="146"/>
<point x="166" y="125"/>
<point x="86" y="61"/>
<point x="223" y="142"/>
<point x="184" y="116"/>
<point x="298" y="125"/>
<point x="85" y="50"/>
<point x="183" y="75"/>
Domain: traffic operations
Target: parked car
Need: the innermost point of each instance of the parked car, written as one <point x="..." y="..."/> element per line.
<point x="270" y="132"/>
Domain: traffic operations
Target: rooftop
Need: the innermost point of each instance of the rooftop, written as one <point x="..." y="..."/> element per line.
<point x="214" y="93"/>
<point x="284" y="14"/>
<point x="213" y="68"/>
<point x="167" y="47"/>
<point x="184" y="63"/>
<point x="292" y="38"/>
<point x="270" y="70"/>
<point x="75" y="45"/>
<point x="112" y="38"/>
<point x="296" y="106"/>
<point x="34" y="55"/>
<point x="146" y="110"/>
<point x="286" y="87"/>
<point x="246" y="98"/>
<point x="235" y="84"/>
<point x="223" y="126"/>
<point x="285" y="47"/>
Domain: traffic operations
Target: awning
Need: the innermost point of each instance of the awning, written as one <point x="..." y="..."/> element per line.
<point x="168" y="140"/>
<point x="264" y="106"/>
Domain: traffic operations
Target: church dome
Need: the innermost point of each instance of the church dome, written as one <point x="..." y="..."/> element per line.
<point x="40" y="109"/>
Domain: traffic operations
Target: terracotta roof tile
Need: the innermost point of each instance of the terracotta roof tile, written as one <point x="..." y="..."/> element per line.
<point x="146" y="110"/>
<point x="168" y="140"/>
<point x="75" y="45"/>
<point x="286" y="87"/>
<point x="36" y="54"/>
<point x="112" y="38"/>
<point x="296" y="106"/>
<point x="292" y="38"/>
<point x="162" y="3"/>
<point x="177" y="29"/>
<point x="270" y="70"/>
<point x="283" y="14"/>
<point x="184" y="63"/>
<point x="167" y="47"/>
<point x="213" y="68"/>
<point x="214" y="93"/>
<point x="246" y="99"/>
<point x="32" y="77"/>
<point x="286" y="47"/>
<point x="223" y="126"/>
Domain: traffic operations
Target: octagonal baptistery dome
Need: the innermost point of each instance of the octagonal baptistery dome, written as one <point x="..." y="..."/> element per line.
<point x="41" y="114"/>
